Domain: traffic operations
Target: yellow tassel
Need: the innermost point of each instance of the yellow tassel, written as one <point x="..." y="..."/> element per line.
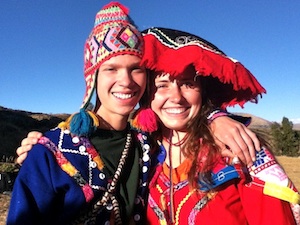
<point x="65" y="124"/>
<point x="94" y="117"/>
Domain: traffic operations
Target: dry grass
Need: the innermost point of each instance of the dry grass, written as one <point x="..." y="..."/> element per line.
<point x="4" y="203"/>
<point x="291" y="166"/>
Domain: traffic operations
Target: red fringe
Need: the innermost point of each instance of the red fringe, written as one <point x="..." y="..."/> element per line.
<point x="240" y="85"/>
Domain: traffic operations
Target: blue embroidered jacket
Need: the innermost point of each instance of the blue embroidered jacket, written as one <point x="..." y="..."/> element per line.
<point x="44" y="193"/>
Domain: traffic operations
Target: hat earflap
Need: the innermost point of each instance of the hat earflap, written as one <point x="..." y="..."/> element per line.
<point x="145" y="119"/>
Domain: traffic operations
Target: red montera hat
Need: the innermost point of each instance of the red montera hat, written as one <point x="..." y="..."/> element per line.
<point x="172" y="51"/>
<point x="228" y="82"/>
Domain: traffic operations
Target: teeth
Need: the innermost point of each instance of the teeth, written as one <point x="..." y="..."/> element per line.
<point x="122" y="96"/>
<point x="175" y="110"/>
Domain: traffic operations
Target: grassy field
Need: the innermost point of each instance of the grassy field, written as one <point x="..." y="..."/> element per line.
<point x="291" y="166"/>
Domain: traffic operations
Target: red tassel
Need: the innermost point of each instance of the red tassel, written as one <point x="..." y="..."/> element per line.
<point x="145" y="120"/>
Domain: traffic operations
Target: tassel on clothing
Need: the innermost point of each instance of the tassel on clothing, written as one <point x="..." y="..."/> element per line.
<point x="81" y="124"/>
<point x="145" y="120"/>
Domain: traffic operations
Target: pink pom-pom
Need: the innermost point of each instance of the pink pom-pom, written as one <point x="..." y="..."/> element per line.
<point x="145" y="120"/>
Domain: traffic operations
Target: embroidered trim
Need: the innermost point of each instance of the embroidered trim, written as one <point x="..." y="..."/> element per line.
<point x="68" y="168"/>
<point x="219" y="178"/>
<point x="215" y="114"/>
<point x="182" y="202"/>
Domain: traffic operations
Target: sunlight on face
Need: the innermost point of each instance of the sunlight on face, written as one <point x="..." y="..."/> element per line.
<point x="121" y="82"/>
<point x="177" y="101"/>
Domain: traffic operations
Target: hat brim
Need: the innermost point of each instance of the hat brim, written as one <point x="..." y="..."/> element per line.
<point x="229" y="82"/>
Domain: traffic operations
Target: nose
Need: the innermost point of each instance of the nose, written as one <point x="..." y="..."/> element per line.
<point x="125" y="78"/>
<point x="175" y="93"/>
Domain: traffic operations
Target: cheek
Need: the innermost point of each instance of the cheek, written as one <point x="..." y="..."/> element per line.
<point x="141" y="81"/>
<point x="156" y="103"/>
<point x="196" y="102"/>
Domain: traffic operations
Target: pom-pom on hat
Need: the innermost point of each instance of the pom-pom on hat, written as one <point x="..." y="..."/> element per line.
<point x="172" y="51"/>
<point x="228" y="82"/>
<point x="113" y="34"/>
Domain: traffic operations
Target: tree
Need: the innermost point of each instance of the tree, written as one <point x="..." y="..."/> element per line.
<point x="285" y="139"/>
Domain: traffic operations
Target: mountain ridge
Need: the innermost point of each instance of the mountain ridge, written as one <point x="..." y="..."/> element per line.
<point x="15" y="125"/>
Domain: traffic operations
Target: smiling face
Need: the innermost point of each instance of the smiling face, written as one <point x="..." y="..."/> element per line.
<point x="177" y="101"/>
<point x="121" y="82"/>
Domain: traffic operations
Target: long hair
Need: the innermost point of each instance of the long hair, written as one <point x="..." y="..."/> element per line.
<point x="200" y="146"/>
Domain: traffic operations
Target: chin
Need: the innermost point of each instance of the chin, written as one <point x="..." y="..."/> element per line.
<point x="126" y="112"/>
<point x="176" y="127"/>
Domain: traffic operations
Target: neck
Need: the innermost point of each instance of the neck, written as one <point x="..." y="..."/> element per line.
<point x="110" y="121"/>
<point x="173" y="142"/>
<point x="174" y="136"/>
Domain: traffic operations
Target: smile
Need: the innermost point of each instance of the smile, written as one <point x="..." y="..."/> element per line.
<point x="175" y="110"/>
<point x="123" y="96"/>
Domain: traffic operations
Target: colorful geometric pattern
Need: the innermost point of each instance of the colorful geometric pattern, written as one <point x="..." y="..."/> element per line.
<point x="113" y="35"/>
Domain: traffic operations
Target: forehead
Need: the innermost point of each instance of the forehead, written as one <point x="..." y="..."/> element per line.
<point x="126" y="59"/>
<point x="188" y="74"/>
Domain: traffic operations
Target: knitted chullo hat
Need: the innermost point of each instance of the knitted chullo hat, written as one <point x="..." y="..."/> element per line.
<point x="114" y="34"/>
<point x="172" y="51"/>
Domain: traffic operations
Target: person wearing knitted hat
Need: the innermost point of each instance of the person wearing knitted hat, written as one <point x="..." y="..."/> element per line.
<point x="192" y="182"/>
<point x="93" y="168"/>
<point x="65" y="179"/>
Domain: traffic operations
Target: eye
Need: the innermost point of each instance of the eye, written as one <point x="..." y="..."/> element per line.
<point x="161" y="85"/>
<point x="189" y="84"/>
<point x="109" y="69"/>
<point x="138" y="69"/>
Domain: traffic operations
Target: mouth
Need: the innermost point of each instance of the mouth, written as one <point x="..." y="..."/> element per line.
<point x="175" y="110"/>
<point x="124" y="96"/>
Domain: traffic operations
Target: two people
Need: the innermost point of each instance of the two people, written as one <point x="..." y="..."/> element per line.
<point x="94" y="167"/>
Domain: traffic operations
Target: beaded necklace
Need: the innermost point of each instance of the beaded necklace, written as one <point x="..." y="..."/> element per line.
<point x="109" y="199"/>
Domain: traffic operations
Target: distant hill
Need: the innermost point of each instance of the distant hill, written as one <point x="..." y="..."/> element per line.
<point x="297" y="126"/>
<point x="15" y="124"/>
<point x="257" y="122"/>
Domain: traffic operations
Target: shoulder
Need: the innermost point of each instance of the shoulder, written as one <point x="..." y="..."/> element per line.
<point x="267" y="174"/>
<point x="49" y="143"/>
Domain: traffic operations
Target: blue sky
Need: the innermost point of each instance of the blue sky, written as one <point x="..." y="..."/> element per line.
<point x="41" y="47"/>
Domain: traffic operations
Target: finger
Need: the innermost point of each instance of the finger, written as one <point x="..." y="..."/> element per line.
<point x="23" y="149"/>
<point x="255" y="139"/>
<point x="234" y="148"/>
<point x="223" y="149"/>
<point x="234" y="140"/>
<point x="248" y="148"/>
<point x="34" y="134"/>
<point x="227" y="153"/>
<point x="253" y="143"/>
<point x="21" y="158"/>
<point x="29" y="141"/>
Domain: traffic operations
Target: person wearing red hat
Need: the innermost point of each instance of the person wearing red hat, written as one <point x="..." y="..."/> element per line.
<point x="192" y="183"/>
<point x="93" y="167"/>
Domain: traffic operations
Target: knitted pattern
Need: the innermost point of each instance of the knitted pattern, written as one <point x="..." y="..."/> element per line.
<point x="112" y="35"/>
